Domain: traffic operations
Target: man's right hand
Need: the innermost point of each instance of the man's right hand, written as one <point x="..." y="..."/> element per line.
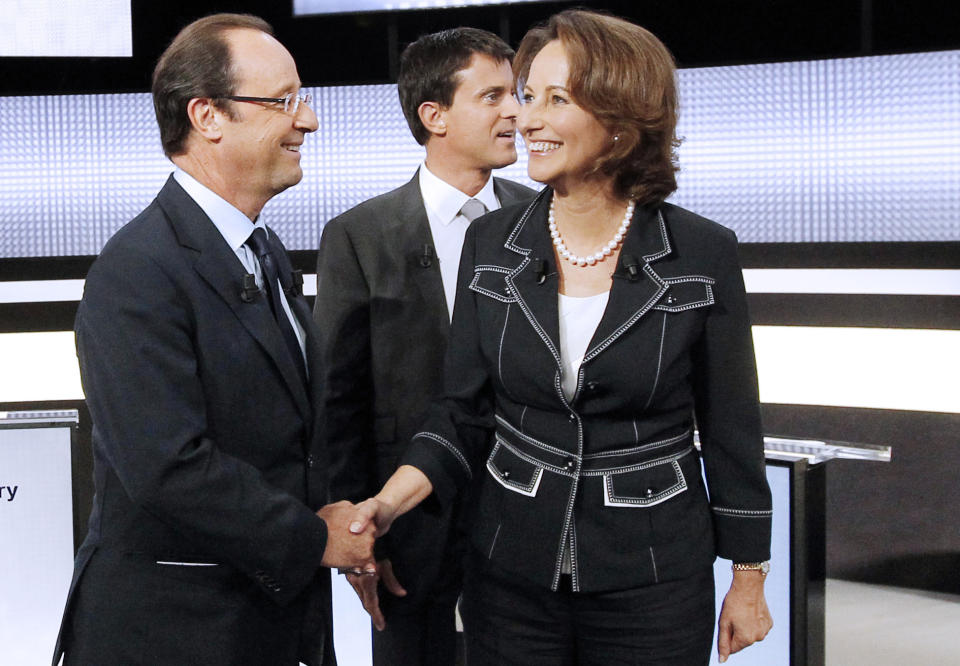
<point x="346" y="547"/>
<point x="366" y="588"/>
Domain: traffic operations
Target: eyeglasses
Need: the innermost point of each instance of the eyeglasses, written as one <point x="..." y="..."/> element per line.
<point x="291" y="101"/>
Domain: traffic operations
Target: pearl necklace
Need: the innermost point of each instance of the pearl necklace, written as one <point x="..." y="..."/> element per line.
<point x="599" y="255"/>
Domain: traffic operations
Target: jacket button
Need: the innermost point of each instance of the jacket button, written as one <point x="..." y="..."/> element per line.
<point x="505" y="474"/>
<point x="310" y="461"/>
<point x="593" y="386"/>
<point x="671" y="300"/>
<point x="569" y="463"/>
<point x="650" y="492"/>
<point x="572" y="417"/>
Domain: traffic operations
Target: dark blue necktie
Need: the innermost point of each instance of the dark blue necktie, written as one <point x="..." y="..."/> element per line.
<point x="271" y="280"/>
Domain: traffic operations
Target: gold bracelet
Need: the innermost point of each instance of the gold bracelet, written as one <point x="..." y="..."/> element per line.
<point x="762" y="567"/>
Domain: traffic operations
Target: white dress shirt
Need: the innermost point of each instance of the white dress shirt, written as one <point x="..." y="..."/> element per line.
<point x="447" y="226"/>
<point x="235" y="227"/>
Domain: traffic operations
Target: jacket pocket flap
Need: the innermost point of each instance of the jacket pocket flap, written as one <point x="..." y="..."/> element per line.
<point x="645" y="486"/>
<point x="514" y="472"/>
<point x="686" y="293"/>
<point x="491" y="281"/>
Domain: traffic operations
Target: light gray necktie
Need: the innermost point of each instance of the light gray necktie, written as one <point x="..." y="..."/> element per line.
<point x="473" y="209"/>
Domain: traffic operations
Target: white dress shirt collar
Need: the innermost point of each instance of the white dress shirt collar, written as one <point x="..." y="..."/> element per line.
<point x="233" y="225"/>
<point x="443" y="201"/>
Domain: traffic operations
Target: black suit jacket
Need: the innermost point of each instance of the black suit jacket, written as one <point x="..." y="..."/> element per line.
<point x="612" y="471"/>
<point x="206" y="451"/>
<point x="384" y="323"/>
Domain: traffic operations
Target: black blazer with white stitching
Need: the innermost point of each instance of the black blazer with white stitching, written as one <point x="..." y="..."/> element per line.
<point x="612" y="474"/>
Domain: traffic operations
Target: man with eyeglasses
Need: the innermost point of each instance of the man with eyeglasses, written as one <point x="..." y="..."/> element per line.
<point x="199" y="360"/>
<point x="386" y="277"/>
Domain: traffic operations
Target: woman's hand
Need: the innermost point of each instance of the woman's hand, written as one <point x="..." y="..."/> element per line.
<point x="404" y="490"/>
<point x="744" y="618"/>
<point x="373" y="512"/>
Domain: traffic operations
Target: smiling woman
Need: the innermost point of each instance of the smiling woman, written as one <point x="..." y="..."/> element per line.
<point x="592" y="327"/>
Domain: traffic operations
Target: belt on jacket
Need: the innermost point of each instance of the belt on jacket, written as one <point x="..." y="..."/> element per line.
<point x="602" y="463"/>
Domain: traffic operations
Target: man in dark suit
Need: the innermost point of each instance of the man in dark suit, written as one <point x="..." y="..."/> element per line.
<point x="386" y="276"/>
<point x="199" y="358"/>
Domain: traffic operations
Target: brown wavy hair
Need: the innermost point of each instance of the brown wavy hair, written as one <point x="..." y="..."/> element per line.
<point x="624" y="76"/>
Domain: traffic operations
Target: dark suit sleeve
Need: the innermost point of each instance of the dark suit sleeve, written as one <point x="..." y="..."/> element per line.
<point x="728" y="417"/>
<point x="342" y="314"/>
<point x="144" y="386"/>
<point x="455" y="438"/>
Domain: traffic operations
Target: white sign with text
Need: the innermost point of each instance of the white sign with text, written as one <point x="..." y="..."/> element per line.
<point x="36" y="524"/>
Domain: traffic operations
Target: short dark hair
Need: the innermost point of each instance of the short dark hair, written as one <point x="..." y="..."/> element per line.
<point x="196" y="64"/>
<point x="429" y="67"/>
<point x="624" y="76"/>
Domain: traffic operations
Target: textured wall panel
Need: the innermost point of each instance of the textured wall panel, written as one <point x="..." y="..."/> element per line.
<point x="861" y="149"/>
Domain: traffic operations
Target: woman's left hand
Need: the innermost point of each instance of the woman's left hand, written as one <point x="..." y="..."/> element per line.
<point x="744" y="618"/>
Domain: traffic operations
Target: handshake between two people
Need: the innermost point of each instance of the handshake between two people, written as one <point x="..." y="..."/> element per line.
<point x="359" y="526"/>
<point x="351" y="532"/>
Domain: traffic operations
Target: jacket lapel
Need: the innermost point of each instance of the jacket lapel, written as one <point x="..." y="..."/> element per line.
<point x="505" y="192"/>
<point x="412" y="228"/>
<point x="536" y="298"/>
<point x="219" y="267"/>
<point x="633" y="293"/>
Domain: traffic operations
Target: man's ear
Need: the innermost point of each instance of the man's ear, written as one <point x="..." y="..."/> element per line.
<point x="431" y="115"/>
<point x="204" y="115"/>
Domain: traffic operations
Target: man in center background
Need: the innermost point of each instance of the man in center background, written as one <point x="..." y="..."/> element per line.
<point x="386" y="277"/>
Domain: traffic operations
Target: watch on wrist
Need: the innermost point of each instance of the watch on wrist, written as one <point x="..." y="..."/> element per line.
<point x="762" y="567"/>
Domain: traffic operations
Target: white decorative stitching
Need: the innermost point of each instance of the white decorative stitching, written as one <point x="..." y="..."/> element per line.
<point x="573" y="486"/>
<point x="576" y="391"/>
<point x="656" y="380"/>
<point x="529" y="314"/>
<point x="741" y="513"/>
<point x="528" y="489"/>
<point x="639" y="313"/>
<point x="637" y="449"/>
<point x="574" y="572"/>
<point x="680" y="279"/>
<point x="611" y="499"/>
<point x="530" y="459"/>
<point x="474" y="285"/>
<point x="509" y="244"/>
<point x="528" y="439"/>
<point x="644" y="465"/>
<point x="503" y="333"/>
<point x="666" y="241"/>
<point x="706" y="281"/>
<point x="494" y="542"/>
<point x="440" y="440"/>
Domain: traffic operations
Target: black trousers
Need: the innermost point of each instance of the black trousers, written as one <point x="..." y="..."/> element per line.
<point x="508" y="621"/>
<point x="425" y="637"/>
